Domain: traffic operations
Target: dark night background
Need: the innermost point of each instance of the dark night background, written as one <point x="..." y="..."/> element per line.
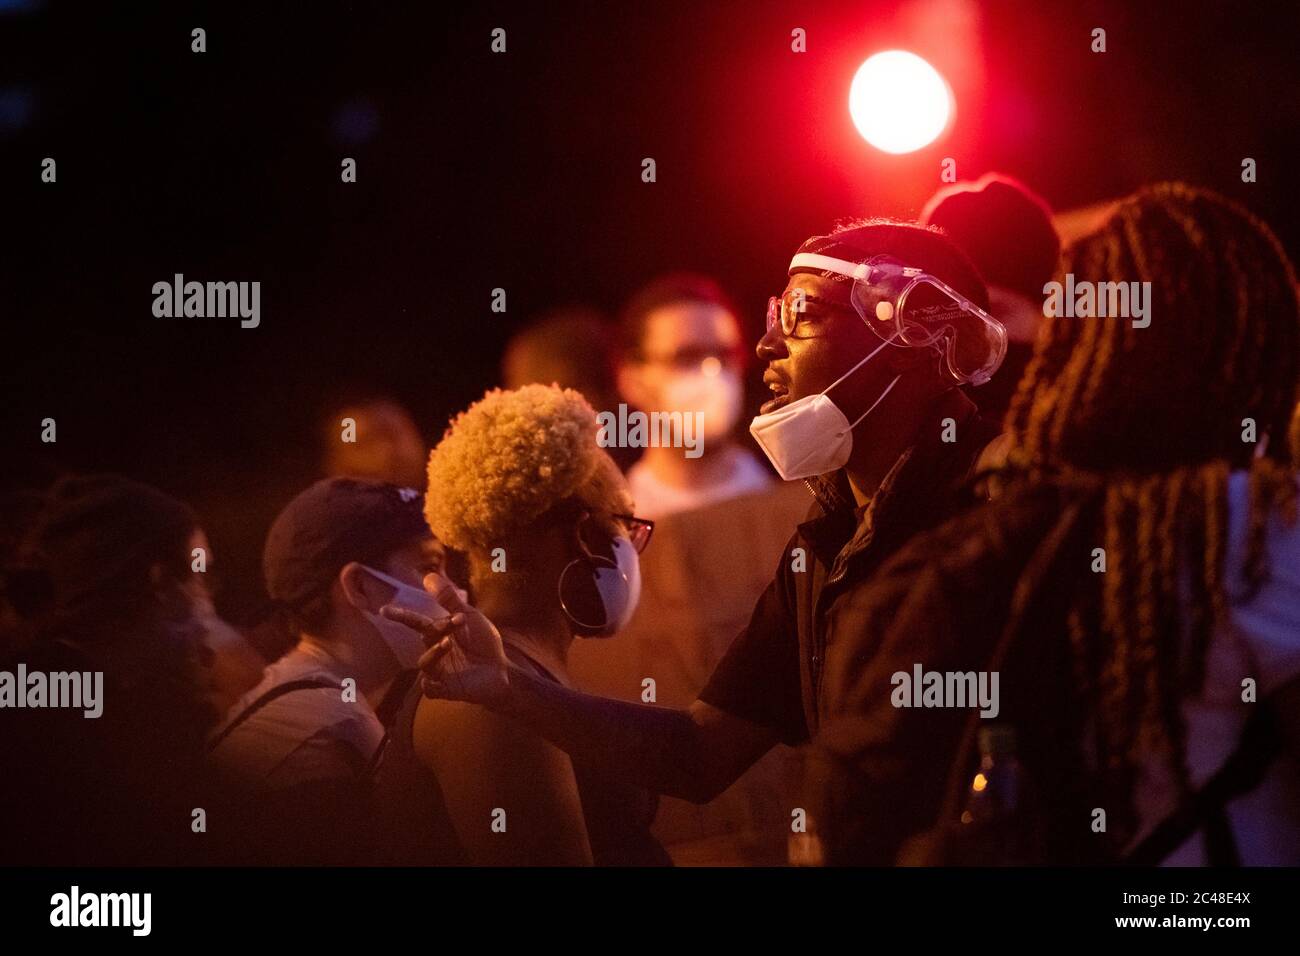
<point x="521" y="171"/>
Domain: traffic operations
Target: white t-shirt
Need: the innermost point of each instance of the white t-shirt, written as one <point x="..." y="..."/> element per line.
<point x="1260" y="640"/>
<point x="654" y="499"/>
<point x="301" y="736"/>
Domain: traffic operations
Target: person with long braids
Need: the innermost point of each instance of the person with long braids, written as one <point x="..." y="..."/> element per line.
<point x="1136" y="583"/>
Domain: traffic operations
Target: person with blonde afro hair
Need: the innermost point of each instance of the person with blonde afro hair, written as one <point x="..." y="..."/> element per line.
<point x="520" y="484"/>
<point x="513" y="457"/>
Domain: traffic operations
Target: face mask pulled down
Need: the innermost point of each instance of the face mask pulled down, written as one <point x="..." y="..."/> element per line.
<point x="812" y="436"/>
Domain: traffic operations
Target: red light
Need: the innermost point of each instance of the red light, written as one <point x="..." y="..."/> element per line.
<point x="899" y="102"/>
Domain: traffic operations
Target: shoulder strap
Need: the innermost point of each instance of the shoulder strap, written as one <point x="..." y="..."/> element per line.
<point x="279" y="690"/>
<point x="395" y="697"/>
<point x="1240" y="773"/>
<point x="389" y="709"/>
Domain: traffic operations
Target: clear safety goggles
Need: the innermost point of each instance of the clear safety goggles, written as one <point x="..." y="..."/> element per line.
<point x="912" y="308"/>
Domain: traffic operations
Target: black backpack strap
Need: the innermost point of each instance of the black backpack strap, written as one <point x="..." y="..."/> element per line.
<point x="388" y="710"/>
<point x="394" y="697"/>
<point x="1241" y="772"/>
<point x="279" y="690"/>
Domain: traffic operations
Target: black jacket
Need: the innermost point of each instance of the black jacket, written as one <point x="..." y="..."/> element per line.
<point x="775" y="671"/>
<point x="878" y="773"/>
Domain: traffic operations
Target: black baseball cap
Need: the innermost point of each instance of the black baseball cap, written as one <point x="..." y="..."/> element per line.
<point x="335" y="521"/>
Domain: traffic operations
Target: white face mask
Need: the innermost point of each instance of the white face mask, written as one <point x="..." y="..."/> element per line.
<point x="717" y="397"/>
<point x="618" y="588"/>
<point x="407" y="645"/>
<point x="812" y="436"/>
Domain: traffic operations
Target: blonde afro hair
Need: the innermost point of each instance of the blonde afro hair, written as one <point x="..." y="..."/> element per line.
<point x="509" y="459"/>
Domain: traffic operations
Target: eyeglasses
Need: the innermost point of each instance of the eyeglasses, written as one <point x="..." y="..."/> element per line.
<point x="786" y="309"/>
<point x="708" y="360"/>
<point x="638" y="530"/>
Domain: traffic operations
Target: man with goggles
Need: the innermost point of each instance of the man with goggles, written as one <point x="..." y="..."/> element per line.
<point x="892" y="317"/>
<point x="890" y="284"/>
<point x="904" y="307"/>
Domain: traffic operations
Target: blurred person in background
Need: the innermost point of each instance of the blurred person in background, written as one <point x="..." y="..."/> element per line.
<point x="109" y="582"/>
<point x="520" y="484"/>
<point x="386" y="444"/>
<point x="682" y="351"/>
<point x="292" y="758"/>
<point x="1161" y="685"/>
<point x="1006" y="229"/>
<point x="572" y="347"/>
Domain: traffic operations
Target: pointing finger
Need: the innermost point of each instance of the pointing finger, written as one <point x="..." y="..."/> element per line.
<point x="445" y="590"/>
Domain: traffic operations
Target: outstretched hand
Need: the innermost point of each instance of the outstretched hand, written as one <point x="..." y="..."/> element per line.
<point x="466" y="659"/>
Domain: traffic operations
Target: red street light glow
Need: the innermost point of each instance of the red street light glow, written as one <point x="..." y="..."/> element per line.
<point x="899" y="102"/>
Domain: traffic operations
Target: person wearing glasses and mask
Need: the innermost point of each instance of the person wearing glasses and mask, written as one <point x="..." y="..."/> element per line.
<point x="877" y="327"/>
<point x="682" y="351"/>
<point x="520" y="484"/>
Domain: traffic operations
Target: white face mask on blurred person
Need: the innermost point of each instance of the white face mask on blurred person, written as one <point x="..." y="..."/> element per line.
<point x="407" y="645"/>
<point x="717" y="396"/>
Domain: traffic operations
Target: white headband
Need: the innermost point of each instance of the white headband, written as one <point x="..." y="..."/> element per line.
<point x="811" y="260"/>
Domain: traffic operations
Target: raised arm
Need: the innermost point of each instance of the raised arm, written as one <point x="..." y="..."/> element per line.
<point x="694" y="754"/>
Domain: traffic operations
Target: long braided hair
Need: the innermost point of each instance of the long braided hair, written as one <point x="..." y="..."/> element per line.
<point x="1153" y="418"/>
